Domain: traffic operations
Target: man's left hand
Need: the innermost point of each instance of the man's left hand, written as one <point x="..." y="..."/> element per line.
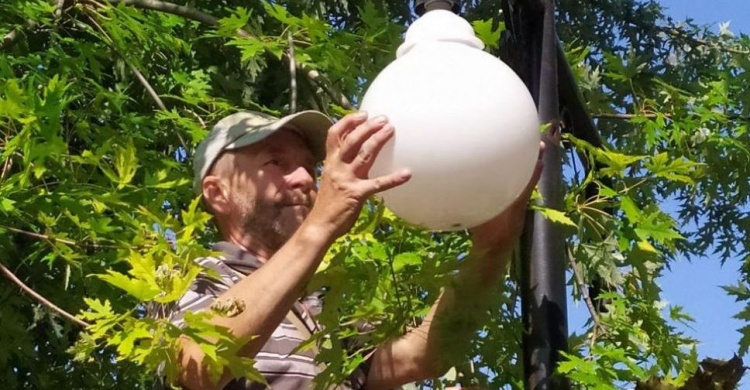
<point x="499" y="234"/>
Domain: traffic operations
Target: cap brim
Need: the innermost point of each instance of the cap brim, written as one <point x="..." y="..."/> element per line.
<point x="311" y="125"/>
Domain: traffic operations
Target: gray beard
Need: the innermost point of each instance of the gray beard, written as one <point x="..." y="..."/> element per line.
<point x="266" y="224"/>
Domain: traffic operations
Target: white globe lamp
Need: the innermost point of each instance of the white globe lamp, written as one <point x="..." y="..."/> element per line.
<point x="466" y="126"/>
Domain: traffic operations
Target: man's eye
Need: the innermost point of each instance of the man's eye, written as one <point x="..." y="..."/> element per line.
<point x="273" y="162"/>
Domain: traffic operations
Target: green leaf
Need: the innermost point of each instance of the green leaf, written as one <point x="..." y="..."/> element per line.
<point x="239" y="19"/>
<point x="555" y="216"/>
<point x="487" y="34"/>
<point x="125" y="347"/>
<point x="7" y="205"/>
<point x="250" y="47"/>
<point x="403" y="260"/>
<point x="280" y="13"/>
<point x="632" y="212"/>
<point x="140" y="289"/>
<point x="744" y="341"/>
<point x="126" y="164"/>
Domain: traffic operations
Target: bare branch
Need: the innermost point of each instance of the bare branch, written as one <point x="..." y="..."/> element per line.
<point x="584" y="291"/>
<point x="339" y="97"/>
<point x="682" y="34"/>
<point x="170" y="8"/>
<point x="606" y="115"/>
<point x="316" y="101"/>
<point x="9" y="40"/>
<point x="150" y="90"/>
<point x="141" y="79"/>
<point x="157" y="100"/>
<point x="194" y="14"/>
<point x="13" y="278"/>
<point x="40" y="236"/>
<point x="53" y="239"/>
<point x="651" y="115"/>
<point x="59" y="11"/>
<point x="200" y="120"/>
<point x="292" y="77"/>
<point x="6" y="167"/>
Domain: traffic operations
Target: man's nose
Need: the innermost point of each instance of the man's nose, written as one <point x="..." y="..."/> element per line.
<point x="301" y="178"/>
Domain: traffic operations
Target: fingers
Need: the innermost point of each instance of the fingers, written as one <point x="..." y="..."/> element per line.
<point x="352" y="145"/>
<point x="339" y="131"/>
<point x="371" y="148"/>
<point x="353" y="142"/>
<point x="535" y="175"/>
<point x="386" y="182"/>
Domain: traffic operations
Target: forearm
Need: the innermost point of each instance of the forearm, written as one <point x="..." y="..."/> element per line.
<point x="267" y="294"/>
<point x="463" y="307"/>
<point x="431" y="349"/>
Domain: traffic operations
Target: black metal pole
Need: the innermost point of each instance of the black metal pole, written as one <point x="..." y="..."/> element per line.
<point x="543" y="248"/>
<point x="534" y="55"/>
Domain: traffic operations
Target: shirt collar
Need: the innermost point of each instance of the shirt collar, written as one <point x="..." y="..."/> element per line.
<point x="237" y="257"/>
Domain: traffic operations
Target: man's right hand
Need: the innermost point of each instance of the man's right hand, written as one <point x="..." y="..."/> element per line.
<point x="352" y="145"/>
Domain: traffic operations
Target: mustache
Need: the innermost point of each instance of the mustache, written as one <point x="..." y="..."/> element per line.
<point x="297" y="199"/>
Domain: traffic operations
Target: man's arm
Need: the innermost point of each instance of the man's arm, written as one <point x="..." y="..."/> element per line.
<point x="270" y="292"/>
<point x="425" y="351"/>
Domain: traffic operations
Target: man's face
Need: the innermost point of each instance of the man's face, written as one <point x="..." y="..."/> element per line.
<point x="272" y="187"/>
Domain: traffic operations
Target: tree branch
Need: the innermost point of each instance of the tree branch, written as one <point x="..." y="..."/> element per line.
<point x="142" y="79"/>
<point x="606" y="115"/>
<point x="628" y="116"/>
<point x="55" y="239"/>
<point x="584" y="292"/>
<point x="679" y="33"/>
<point x="194" y="14"/>
<point x="292" y="76"/>
<point x="13" y="278"/>
<point x="157" y="100"/>
<point x="9" y="40"/>
<point x="170" y="8"/>
<point x="339" y="97"/>
<point x="38" y="235"/>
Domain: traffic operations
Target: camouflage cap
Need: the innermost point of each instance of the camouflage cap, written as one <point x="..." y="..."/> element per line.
<point x="246" y="128"/>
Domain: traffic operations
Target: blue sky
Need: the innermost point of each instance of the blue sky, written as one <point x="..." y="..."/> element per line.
<point x="712" y="12"/>
<point x="695" y="283"/>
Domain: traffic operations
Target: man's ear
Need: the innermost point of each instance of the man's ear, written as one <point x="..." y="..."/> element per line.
<point x="216" y="195"/>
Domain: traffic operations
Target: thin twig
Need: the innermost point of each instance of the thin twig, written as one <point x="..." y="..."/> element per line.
<point x="157" y="100"/>
<point x="13" y="278"/>
<point x="141" y="79"/>
<point x="149" y="88"/>
<point x="628" y="116"/>
<point x="582" y="286"/>
<point x="53" y="239"/>
<point x="316" y="102"/>
<point x="9" y="40"/>
<point x="589" y="304"/>
<point x="292" y="76"/>
<point x="679" y="33"/>
<point x="339" y="97"/>
<point x="6" y="167"/>
<point x="194" y="14"/>
<point x="607" y="115"/>
<point x="59" y="11"/>
<point x="162" y="6"/>
<point x="200" y="120"/>
<point x="40" y="236"/>
<point x="592" y="343"/>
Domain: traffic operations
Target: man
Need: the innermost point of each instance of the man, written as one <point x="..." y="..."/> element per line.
<point x="256" y="175"/>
